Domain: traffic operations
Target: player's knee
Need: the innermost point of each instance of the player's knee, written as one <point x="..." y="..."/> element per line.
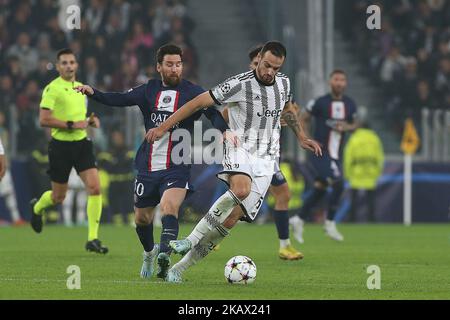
<point x="241" y="191"/>
<point x="94" y="190"/>
<point x="169" y="208"/>
<point x="58" y="198"/>
<point x="142" y="220"/>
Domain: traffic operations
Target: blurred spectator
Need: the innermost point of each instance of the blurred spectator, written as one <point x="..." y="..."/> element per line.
<point x="413" y="44"/>
<point x="96" y="15"/>
<point x="44" y="47"/>
<point x="44" y="73"/>
<point x="118" y="163"/>
<point x="91" y="72"/>
<point x="442" y="83"/>
<point x="7" y="96"/>
<point x="28" y="116"/>
<point x="27" y="55"/>
<point x="114" y="51"/>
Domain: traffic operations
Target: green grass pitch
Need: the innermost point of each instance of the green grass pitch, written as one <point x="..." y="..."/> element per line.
<point x="414" y="263"/>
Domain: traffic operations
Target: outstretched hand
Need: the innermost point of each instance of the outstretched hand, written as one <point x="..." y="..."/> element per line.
<point x="311" y="145"/>
<point x="154" y="134"/>
<point x="231" y="137"/>
<point x="84" y="89"/>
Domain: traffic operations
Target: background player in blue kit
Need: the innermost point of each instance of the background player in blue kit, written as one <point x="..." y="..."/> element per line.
<point x="159" y="180"/>
<point x="334" y="114"/>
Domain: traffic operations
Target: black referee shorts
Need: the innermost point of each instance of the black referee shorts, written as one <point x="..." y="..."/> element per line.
<point x="64" y="155"/>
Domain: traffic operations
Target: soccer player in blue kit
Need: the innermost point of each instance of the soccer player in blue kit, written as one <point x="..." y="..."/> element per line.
<point x="334" y="114"/>
<point x="159" y="180"/>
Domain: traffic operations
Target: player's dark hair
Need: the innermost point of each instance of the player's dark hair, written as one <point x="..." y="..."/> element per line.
<point x="337" y="71"/>
<point x="275" y="47"/>
<point x="168" y="49"/>
<point x="254" y="51"/>
<point x="64" y="51"/>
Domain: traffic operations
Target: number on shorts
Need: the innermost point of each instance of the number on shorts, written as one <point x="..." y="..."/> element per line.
<point x="139" y="189"/>
<point x="259" y="203"/>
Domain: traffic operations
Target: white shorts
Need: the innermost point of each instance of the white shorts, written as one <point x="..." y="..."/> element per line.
<point x="260" y="171"/>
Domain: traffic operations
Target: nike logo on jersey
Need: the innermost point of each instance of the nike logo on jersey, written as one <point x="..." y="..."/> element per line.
<point x="170" y="183"/>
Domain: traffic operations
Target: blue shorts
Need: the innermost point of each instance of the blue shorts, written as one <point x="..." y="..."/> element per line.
<point x="327" y="169"/>
<point x="149" y="188"/>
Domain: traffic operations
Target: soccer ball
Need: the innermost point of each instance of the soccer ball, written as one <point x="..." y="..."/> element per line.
<point x="240" y="269"/>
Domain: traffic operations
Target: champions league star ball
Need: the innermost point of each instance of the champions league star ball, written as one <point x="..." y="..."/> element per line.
<point x="241" y="270"/>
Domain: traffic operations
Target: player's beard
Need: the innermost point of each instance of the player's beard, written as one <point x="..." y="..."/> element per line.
<point x="337" y="92"/>
<point x="264" y="78"/>
<point x="172" y="80"/>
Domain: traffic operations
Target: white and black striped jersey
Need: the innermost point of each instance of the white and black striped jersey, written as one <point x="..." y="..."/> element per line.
<point x="255" y="110"/>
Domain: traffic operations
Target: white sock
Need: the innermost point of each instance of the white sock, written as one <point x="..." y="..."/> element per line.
<point x="216" y="215"/>
<point x="285" y="243"/>
<point x="12" y="206"/>
<point x="202" y="248"/>
<point x="149" y="252"/>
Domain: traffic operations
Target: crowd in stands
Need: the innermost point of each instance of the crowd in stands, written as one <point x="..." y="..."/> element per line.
<point x="115" y="47"/>
<point x="409" y="58"/>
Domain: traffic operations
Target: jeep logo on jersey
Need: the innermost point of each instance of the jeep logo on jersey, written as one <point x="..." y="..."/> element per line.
<point x="167" y="99"/>
<point x="269" y="113"/>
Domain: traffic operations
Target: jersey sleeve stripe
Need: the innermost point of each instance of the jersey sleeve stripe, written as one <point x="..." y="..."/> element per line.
<point x="214" y="98"/>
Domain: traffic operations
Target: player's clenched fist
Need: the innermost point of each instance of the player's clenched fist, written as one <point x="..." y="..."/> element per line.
<point x="85" y="89"/>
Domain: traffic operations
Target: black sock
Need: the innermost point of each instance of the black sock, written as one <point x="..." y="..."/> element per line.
<point x="311" y="201"/>
<point x="145" y="234"/>
<point x="169" y="232"/>
<point x="281" y="218"/>
<point x="333" y="204"/>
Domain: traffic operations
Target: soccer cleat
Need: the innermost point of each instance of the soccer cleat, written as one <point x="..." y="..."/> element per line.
<point x="180" y="246"/>
<point x="297" y="228"/>
<point x="174" y="276"/>
<point x="163" y="265"/>
<point x="331" y="230"/>
<point x="36" y="219"/>
<point x="290" y="253"/>
<point x="149" y="261"/>
<point x="96" y="246"/>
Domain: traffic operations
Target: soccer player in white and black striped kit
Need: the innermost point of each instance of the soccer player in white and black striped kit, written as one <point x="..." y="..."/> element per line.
<point x="261" y="98"/>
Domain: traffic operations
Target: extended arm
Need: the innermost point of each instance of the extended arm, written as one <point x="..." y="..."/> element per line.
<point x="201" y="101"/>
<point x="216" y="119"/>
<point x="117" y="99"/>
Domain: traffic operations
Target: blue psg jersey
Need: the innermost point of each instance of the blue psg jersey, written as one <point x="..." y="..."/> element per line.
<point x="157" y="102"/>
<point x="327" y="111"/>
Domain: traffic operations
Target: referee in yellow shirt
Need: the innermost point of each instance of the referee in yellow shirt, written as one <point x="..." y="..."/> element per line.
<point x="64" y="110"/>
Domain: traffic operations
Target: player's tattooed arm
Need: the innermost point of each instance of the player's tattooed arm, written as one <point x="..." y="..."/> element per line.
<point x="292" y="118"/>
